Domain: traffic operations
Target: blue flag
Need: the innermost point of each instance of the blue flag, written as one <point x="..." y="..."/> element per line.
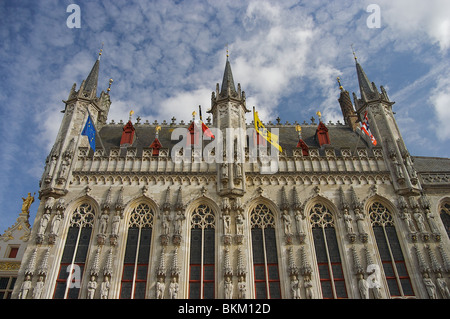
<point x="89" y="131"/>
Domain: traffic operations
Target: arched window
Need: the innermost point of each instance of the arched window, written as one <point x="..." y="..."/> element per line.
<point x="202" y="254"/>
<point x="74" y="256"/>
<point x="265" y="259"/>
<point x="137" y="253"/>
<point x="444" y="212"/>
<point x="327" y="253"/>
<point x="390" y="251"/>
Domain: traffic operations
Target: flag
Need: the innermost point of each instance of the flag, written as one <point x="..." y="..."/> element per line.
<point x="262" y="131"/>
<point x="205" y="129"/>
<point x="89" y="131"/>
<point x="366" y="129"/>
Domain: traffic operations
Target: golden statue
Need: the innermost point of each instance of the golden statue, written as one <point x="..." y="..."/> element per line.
<point x="27" y="203"/>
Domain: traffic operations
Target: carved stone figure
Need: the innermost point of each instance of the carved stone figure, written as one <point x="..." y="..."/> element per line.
<point x="299" y="222"/>
<point x="430" y="286"/>
<point x="363" y="287"/>
<point x="308" y="288"/>
<point x="348" y="222"/>
<point x="228" y="288"/>
<point x="103" y="223"/>
<point x="409" y="222"/>
<point x="104" y="288"/>
<point x="226" y="224"/>
<point x="295" y="287"/>
<point x="443" y="288"/>
<point x="419" y="219"/>
<point x="37" y="291"/>
<point x="287" y="223"/>
<point x="240" y="224"/>
<point x="160" y="287"/>
<point x="25" y="287"/>
<point x="179" y="222"/>
<point x="242" y="288"/>
<point x="92" y="286"/>
<point x="115" y="225"/>
<point x="56" y="222"/>
<point x="43" y="224"/>
<point x="173" y="289"/>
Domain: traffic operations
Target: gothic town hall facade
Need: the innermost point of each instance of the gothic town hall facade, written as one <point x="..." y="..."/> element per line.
<point x="338" y="217"/>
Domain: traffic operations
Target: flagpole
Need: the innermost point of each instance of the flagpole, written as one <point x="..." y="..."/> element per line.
<point x="98" y="132"/>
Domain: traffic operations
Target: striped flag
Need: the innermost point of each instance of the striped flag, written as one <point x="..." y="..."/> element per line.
<point x="366" y="129"/>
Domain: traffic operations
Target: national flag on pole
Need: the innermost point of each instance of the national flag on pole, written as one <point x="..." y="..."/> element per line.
<point x="90" y="132"/>
<point x="366" y="129"/>
<point x="262" y="131"/>
<point x="205" y="129"/>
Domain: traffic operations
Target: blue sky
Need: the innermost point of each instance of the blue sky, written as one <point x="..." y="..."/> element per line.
<point x="166" y="57"/>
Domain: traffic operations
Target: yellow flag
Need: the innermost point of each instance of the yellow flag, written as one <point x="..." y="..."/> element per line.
<point x="267" y="135"/>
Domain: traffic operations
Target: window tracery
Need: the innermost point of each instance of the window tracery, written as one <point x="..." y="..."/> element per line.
<point x="444" y="213"/>
<point x="137" y="252"/>
<point x="74" y="256"/>
<point x="327" y="252"/>
<point x="264" y="249"/>
<point x="202" y="253"/>
<point x="390" y="251"/>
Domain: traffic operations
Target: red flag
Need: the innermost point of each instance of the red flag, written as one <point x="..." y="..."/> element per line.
<point x="207" y="131"/>
<point x="365" y="128"/>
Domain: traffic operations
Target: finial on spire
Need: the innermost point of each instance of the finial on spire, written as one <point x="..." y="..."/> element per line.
<point x="320" y="115"/>
<point x="100" y="53"/>
<point x="354" y="54"/>
<point x="340" y="86"/>
<point x="109" y="87"/>
<point x="157" y="129"/>
<point x="228" y="53"/>
<point x="131" y="113"/>
<point x="298" y="128"/>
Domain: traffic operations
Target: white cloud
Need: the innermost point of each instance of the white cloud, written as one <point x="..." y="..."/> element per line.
<point x="440" y="99"/>
<point x="418" y="19"/>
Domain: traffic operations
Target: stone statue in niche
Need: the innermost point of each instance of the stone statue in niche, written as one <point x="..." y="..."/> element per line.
<point x="25" y="287"/>
<point x="104" y="288"/>
<point x="92" y="287"/>
<point x="295" y="287"/>
<point x="173" y="289"/>
<point x="160" y="287"/>
<point x="442" y="285"/>
<point x="242" y="288"/>
<point x="37" y="291"/>
<point x="228" y="288"/>
<point x="429" y="285"/>
<point x="287" y="223"/>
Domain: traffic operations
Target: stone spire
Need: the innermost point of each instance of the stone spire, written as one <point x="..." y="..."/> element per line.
<point x="228" y="87"/>
<point x="348" y="111"/>
<point x="91" y="82"/>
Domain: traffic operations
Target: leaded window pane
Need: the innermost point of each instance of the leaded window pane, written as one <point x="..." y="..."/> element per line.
<point x="327" y="252"/>
<point x="202" y="276"/>
<point x="75" y="250"/>
<point x="445" y="216"/>
<point x="265" y="263"/>
<point x="196" y="245"/>
<point x="125" y="292"/>
<point x="390" y="250"/>
<point x="137" y="252"/>
<point x="257" y="244"/>
<point x="131" y="248"/>
<point x="260" y="289"/>
<point x="69" y="247"/>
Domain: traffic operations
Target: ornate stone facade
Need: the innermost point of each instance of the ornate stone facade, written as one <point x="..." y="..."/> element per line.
<point x="340" y="220"/>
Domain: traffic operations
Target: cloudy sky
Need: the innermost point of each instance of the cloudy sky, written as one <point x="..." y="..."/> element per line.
<point x="166" y="57"/>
